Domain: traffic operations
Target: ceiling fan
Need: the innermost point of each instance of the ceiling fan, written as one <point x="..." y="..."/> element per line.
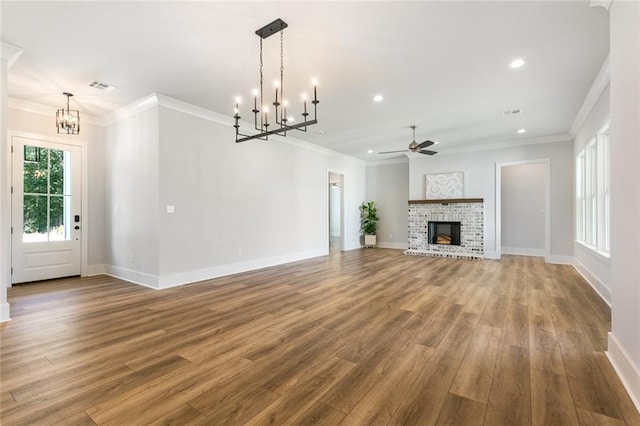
<point x="414" y="146"/>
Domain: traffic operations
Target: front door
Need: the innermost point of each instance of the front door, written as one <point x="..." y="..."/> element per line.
<point x="46" y="210"/>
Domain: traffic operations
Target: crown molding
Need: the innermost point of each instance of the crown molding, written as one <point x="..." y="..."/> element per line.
<point x="10" y="53"/>
<point x="402" y="159"/>
<point x="563" y="137"/>
<point x="605" y="4"/>
<point x="593" y="95"/>
<point x="134" y="108"/>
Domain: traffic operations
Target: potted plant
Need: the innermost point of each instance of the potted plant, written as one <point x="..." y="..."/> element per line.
<point x="369" y="223"/>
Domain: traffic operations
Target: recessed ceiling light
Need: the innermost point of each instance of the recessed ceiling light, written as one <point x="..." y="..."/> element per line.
<point x="378" y="98"/>
<point x="517" y="63"/>
<point x="522" y="131"/>
<point x="370" y="151"/>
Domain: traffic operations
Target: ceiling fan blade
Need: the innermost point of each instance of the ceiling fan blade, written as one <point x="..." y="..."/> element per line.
<point x="425" y="144"/>
<point x="427" y="152"/>
<point x="392" y="152"/>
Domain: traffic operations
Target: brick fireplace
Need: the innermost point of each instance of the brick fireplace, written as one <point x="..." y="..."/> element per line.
<point x="448" y="228"/>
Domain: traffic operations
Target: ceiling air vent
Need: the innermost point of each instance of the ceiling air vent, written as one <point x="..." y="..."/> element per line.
<point x="101" y="86"/>
<point x="511" y="112"/>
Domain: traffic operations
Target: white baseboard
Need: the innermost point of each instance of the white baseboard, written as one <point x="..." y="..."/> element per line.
<point x="135" y="277"/>
<point x="560" y="260"/>
<point x="491" y="255"/>
<point x="601" y="288"/>
<point x="5" y="313"/>
<point x="92" y="270"/>
<point x="187" y="277"/>
<point x="519" y="251"/>
<point x="627" y="372"/>
<point x="391" y="245"/>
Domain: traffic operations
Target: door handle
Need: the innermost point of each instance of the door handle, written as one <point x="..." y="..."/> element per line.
<point x="76" y="227"/>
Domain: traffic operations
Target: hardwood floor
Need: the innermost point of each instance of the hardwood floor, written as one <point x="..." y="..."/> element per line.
<point x="357" y="338"/>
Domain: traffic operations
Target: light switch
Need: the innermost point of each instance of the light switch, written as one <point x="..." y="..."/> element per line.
<point x="171" y="209"/>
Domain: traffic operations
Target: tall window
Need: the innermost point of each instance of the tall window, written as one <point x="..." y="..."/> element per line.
<point x="592" y="192"/>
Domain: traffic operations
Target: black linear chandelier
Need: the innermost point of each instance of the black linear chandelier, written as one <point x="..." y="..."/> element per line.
<point x="283" y="122"/>
<point x="68" y="120"/>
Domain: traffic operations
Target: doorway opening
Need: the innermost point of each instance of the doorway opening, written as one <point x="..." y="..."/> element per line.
<point x="336" y="211"/>
<point x="523" y="208"/>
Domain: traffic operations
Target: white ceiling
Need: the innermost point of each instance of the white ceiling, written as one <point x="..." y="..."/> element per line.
<point x="441" y="65"/>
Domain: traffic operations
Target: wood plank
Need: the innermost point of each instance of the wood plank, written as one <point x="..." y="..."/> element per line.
<point x="510" y="395"/>
<point x="475" y="374"/>
<point x="431" y="385"/>
<point x="380" y="403"/>
<point x="551" y="400"/>
<point x="320" y="414"/>
<point x="293" y="405"/>
<point x="629" y="411"/>
<point x="459" y="411"/>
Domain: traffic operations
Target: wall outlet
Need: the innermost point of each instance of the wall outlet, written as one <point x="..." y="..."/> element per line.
<point x="132" y="259"/>
<point x="171" y="209"/>
<point x="239" y="252"/>
<point x="391" y="236"/>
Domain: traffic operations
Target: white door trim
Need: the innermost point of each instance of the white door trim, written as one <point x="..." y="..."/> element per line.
<point x="83" y="183"/>
<point x="547" y="203"/>
<point x="342" y="201"/>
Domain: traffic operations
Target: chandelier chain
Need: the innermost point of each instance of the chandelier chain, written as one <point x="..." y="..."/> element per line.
<point x="282" y="65"/>
<point x="261" y="80"/>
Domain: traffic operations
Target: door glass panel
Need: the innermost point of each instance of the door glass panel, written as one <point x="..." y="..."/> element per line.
<point x="36" y="170"/>
<point x="35" y="218"/>
<point x="56" y="172"/>
<point x="58" y="225"/>
<point x="47" y="199"/>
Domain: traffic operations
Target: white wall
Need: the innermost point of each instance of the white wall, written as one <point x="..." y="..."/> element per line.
<point x="131" y="199"/>
<point x="624" y="339"/>
<point x="592" y="265"/>
<point x="522" y="204"/>
<point x="479" y="182"/>
<point x="247" y="205"/>
<point x="388" y="186"/>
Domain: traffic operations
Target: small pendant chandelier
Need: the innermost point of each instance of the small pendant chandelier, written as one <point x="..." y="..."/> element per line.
<point x="68" y="120"/>
<point x="282" y="122"/>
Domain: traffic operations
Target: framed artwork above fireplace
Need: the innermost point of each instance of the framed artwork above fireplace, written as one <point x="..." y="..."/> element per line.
<point x="442" y="186"/>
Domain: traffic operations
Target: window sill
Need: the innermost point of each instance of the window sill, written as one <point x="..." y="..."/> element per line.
<point x="600" y="254"/>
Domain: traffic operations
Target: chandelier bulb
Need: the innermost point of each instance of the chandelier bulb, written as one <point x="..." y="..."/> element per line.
<point x="314" y="82"/>
<point x="255" y="92"/>
<point x="276" y="83"/>
<point x="238" y="99"/>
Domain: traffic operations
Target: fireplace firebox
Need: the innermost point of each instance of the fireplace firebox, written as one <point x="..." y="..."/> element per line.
<point x="445" y="233"/>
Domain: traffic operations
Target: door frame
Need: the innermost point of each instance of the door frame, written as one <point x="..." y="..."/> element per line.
<point x="547" y="203"/>
<point x="342" y="191"/>
<point x="84" y="187"/>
